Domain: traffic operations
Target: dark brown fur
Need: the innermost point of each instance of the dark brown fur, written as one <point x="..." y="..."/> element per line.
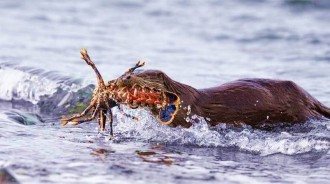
<point x="255" y="102"/>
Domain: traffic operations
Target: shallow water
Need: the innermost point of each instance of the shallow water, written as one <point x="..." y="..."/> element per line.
<point x="199" y="43"/>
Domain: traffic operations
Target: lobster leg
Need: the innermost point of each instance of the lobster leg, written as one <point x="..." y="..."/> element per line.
<point x="102" y="119"/>
<point x="79" y="121"/>
<point x="66" y="120"/>
<point x="96" y="110"/>
<point x="110" y="118"/>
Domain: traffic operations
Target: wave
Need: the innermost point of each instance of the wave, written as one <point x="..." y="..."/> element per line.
<point x="311" y="136"/>
<point x="29" y="84"/>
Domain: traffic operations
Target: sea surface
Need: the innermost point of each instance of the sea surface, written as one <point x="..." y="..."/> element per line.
<point x="200" y="43"/>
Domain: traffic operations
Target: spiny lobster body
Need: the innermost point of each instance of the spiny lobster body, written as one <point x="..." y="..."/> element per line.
<point x="123" y="91"/>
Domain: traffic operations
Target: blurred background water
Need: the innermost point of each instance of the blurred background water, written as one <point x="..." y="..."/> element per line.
<point x="201" y="43"/>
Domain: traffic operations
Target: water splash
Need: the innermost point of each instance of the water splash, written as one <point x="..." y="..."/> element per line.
<point x="18" y="83"/>
<point x="245" y="138"/>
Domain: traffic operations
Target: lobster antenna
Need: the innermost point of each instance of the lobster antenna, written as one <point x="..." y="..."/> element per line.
<point x="137" y="65"/>
<point x="85" y="56"/>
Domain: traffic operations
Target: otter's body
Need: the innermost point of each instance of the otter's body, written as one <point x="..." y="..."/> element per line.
<point x="256" y="102"/>
<point x="261" y="103"/>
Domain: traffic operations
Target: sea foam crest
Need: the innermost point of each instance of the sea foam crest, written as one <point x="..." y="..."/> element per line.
<point x="147" y="128"/>
<point x="29" y="84"/>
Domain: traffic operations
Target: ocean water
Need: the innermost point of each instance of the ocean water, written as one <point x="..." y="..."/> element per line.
<point x="200" y="43"/>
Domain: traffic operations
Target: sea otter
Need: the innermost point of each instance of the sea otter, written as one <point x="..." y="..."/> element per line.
<point x="256" y="102"/>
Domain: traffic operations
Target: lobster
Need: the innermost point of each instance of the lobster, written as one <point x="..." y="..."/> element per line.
<point x="124" y="91"/>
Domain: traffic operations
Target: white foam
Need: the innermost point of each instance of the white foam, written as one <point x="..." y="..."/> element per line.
<point x="18" y="84"/>
<point x="200" y="134"/>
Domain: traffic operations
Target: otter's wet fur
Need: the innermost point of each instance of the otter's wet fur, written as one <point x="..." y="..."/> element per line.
<point x="260" y="103"/>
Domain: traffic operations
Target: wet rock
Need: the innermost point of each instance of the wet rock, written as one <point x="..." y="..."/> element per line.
<point x="6" y="177"/>
<point x="63" y="102"/>
<point x="24" y="118"/>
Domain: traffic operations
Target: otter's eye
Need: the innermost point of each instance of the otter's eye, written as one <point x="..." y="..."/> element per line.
<point x="128" y="77"/>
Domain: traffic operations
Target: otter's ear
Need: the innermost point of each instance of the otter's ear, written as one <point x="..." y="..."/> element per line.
<point x="166" y="115"/>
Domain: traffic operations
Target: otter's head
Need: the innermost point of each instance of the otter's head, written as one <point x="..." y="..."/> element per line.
<point x="147" y="89"/>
